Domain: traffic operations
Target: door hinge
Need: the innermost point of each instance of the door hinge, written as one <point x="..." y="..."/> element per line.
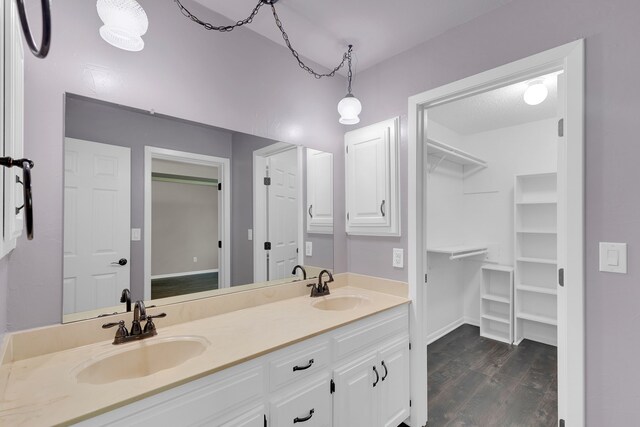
<point x="267" y="180"/>
<point x="332" y="387"/>
<point x="347" y="216"/>
<point x="561" y="423"/>
<point x="265" y="420"/>
<point x="347" y="148"/>
<point x="219" y="186"/>
<point x="220" y="244"/>
<point x="267" y="246"/>
<point x="561" y="277"/>
<point x="409" y="403"/>
<point x="409" y="346"/>
<point x="561" y="127"/>
<point x="425" y="278"/>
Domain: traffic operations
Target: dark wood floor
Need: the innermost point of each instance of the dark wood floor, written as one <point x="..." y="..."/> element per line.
<point x="474" y="381"/>
<point x="173" y="286"/>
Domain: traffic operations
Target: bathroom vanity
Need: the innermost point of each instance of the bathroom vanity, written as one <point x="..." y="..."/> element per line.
<point x="276" y="358"/>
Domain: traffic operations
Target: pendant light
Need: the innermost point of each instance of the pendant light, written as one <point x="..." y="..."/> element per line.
<point x="125" y="22"/>
<point x="349" y="107"/>
<point x="536" y="93"/>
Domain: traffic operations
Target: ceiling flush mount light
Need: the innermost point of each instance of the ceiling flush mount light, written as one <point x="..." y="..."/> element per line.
<point x="536" y="93"/>
<point x="125" y="22"/>
<point x="349" y="107"/>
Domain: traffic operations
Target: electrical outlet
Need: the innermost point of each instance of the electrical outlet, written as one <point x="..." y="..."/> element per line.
<point x="308" y="248"/>
<point x="398" y="258"/>
<point x="195" y="259"/>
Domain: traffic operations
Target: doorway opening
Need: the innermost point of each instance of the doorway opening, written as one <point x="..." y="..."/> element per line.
<point x="187" y="223"/>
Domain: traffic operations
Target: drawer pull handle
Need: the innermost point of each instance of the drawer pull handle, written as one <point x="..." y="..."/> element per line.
<point x="386" y="371"/>
<point x="377" y="376"/>
<point x="302" y="368"/>
<point x="302" y="420"/>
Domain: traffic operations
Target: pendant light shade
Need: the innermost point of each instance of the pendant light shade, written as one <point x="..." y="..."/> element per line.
<point x="349" y="108"/>
<point x="125" y="22"/>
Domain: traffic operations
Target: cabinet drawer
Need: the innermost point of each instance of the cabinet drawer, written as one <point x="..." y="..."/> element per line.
<point x="291" y="367"/>
<point x="393" y="324"/>
<point x="308" y="405"/>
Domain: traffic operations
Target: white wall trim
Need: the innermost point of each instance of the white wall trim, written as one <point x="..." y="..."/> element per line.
<point x="185" y="273"/>
<point x="436" y="335"/>
<point x="571" y="322"/>
<point x="224" y="166"/>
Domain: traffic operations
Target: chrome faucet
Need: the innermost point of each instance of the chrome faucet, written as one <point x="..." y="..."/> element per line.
<point x="137" y="332"/>
<point x="321" y="289"/>
<point x="299" y="267"/>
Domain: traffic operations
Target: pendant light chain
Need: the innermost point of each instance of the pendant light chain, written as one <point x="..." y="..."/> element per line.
<point x="349" y="73"/>
<point x="228" y="28"/>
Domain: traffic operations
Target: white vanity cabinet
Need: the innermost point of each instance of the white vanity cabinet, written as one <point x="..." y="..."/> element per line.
<point x="371" y="175"/>
<point x="319" y="192"/>
<point x="11" y="124"/>
<point x="324" y="381"/>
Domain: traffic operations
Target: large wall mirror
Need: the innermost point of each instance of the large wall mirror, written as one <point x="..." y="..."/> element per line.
<point x="167" y="210"/>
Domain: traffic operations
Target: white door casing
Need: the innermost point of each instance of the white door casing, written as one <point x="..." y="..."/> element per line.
<point x="319" y="210"/>
<point x="97" y="216"/>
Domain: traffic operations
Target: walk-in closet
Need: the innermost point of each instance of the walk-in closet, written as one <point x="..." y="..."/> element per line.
<point x="491" y="233"/>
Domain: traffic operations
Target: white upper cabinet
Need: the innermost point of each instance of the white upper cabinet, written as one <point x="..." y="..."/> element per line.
<point x="11" y="121"/>
<point x="372" y="184"/>
<point x="319" y="192"/>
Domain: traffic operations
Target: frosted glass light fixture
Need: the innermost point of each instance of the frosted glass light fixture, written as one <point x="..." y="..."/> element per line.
<point x="125" y="22"/>
<point x="349" y="107"/>
<point x="536" y="93"/>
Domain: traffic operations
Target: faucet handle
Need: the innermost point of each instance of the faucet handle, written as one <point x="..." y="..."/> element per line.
<point x="122" y="330"/>
<point x="150" y="327"/>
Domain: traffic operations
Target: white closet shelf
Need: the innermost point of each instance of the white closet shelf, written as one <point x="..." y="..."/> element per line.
<point x="534" y="231"/>
<point x="460" y="252"/>
<point x="537" y="318"/>
<point x="537" y="260"/>
<point x="495" y="318"/>
<point x="496" y="298"/>
<point x="537" y="289"/>
<point x="537" y="202"/>
<point x="447" y="152"/>
<point x="498" y="267"/>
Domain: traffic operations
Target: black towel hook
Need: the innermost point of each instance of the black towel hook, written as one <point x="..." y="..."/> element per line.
<point x="43" y="50"/>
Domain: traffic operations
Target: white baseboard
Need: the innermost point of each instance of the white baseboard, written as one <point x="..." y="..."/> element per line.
<point x="434" y="336"/>
<point x="186" y="273"/>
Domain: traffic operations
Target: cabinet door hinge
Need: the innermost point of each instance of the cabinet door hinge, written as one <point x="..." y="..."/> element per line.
<point x="409" y="403"/>
<point x="332" y="387"/>
<point x="347" y="148"/>
<point x="265" y="420"/>
<point x="561" y="277"/>
<point x="267" y="180"/>
<point x="267" y="246"/>
<point x="561" y="423"/>
<point x="220" y="244"/>
<point x="425" y="278"/>
<point x="561" y="127"/>
<point x="409" y="346"/>
<point x="347" y="216"/>
<point x="219" y="186"/>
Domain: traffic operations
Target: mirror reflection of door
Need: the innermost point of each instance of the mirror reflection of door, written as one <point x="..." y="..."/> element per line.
<point x="185" y="228"/>
<point x="97" y="206"/>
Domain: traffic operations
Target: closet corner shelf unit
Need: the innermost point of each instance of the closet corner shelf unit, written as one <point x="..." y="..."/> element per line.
<point x="496" y="303"/>
<point x="535" y="300"/>
<point x="446" y="152"/>
<point x="460" y="252"/>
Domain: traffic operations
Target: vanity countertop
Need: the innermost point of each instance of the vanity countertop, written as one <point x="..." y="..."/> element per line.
<point x="43" y="390"/>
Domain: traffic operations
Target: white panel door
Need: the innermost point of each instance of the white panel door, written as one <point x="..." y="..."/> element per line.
<point x="354" y="401"/>
<point x="283" y="213"/>
<point x="393" y="394"/>
<point x="97" y="212"/>
<point x="319" y="192"/>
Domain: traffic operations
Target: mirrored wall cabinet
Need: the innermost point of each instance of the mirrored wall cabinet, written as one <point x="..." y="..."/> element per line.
<point x="372" y="184"/>
<point x="11" y="124"/>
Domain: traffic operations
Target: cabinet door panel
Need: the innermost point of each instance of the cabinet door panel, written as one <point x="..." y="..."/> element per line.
<point x="394" y="388"/>
<point x="244" y="418"/>
<point x="309" y="405"/>
<point x="319" y="192"/>
<point x="354" y="402"/>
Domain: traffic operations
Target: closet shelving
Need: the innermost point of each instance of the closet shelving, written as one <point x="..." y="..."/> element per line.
<point x="496" y="302"/>
<point x="441" y="151"/>
<point x="461" y="251"/>
<point x="535" y="301"/>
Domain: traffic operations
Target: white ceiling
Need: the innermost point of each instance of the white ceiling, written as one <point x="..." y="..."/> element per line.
<point x="379" y="29"/>
<point x="499" y="108"/>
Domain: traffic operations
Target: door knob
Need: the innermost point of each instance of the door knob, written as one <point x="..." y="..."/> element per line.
<point x="121" y="262"/>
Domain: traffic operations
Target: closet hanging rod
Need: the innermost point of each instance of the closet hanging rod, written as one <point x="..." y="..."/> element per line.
<point x="453" y="154"/>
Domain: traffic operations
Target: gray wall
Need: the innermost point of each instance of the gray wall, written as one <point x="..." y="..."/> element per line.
<point x="184" y="226"/>
<point x="109" y="124"/>
<point x="519" y="29"/>
<point x="237" y="81"/>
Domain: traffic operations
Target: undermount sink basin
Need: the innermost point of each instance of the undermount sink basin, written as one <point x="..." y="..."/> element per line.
<point x="142" y="359"/>
<point x="339" y="303"/>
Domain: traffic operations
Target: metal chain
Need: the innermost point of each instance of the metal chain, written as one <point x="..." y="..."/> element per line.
<point x="296" y="55"/>
<point x="223" y="28"/>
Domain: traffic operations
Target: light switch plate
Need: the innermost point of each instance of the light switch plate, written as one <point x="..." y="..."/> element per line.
<point x="135" y="234"/>
<point x="398" y="258"/>
<point x="308" y="248"/>
<point x="613" y="257"/>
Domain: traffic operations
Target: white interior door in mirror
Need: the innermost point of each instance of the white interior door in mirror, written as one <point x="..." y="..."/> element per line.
<point x="283" y="213"/>
<point x="319" y="192"/>
<point x="97" y="205"/>
<point x="13" y="118"/>
<point x="372" y="179"/>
